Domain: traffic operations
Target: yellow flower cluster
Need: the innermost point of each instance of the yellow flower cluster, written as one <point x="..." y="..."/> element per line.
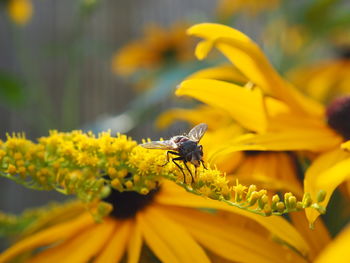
<point x="72" y="163"/>
<point x="88" y="166"/>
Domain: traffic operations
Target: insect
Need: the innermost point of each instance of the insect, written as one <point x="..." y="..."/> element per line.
<point x="185" y="147"/>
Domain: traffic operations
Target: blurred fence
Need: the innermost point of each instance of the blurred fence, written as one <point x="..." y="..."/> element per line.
<point x="63" y="59"/>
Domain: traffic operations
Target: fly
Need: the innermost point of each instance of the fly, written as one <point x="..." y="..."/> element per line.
<point x="184" y="147"/>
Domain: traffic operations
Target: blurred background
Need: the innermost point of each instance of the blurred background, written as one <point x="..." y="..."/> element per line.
<point x="56" y="69"/>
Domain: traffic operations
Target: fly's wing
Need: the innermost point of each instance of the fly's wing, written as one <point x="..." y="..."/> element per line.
<point x="197" y="132"/>
<point x="164" y="145"/>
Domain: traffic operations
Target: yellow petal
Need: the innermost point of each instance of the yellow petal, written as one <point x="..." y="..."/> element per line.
<point x="317" y="238"/>
<point x="213" y="139"/>
<point x="48" y="236"/>
<point x="135" y="244"/>
<point x="290" y="140"/>
<point x="174" y="195"/>
<point x="80" y="248"/>
<point x="282" y="117"/>
<point x="55" y="216"/>
<point x="251" y="61"/>
<point x="167" y="239"/>
<point x="221" y="236"/>
<point x="246" y="106"/>
<point x="225" y="72"/>
<point x="346" y="146"/>
<point x="115" y="247"/>
<point x="271" y="170"/>
<point x="203" y="48"/>
<point x="170" y="116"/>
<point x="214" y="118"/>
<point x="338" y="250"/>
<point x="323" y="80"/>
<point x="326" y="173"/>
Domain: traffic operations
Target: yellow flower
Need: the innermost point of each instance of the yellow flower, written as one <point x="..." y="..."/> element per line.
<point x="20" y="11"/>
<point x="168" y="222"/>
<point x="158" y="47"/>
<point x="281" y="117"/>
<point x="228" y="8"/>
<point x="325" y="80"/>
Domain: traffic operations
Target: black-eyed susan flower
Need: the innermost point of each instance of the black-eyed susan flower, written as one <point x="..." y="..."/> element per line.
<point x="281" y="117"/>
<point x="227" y="8"/>
<point x="20" y="11"/>
<point x="276" y="171"/>
<point x="157" y="48"/>
<point x="168" y="222"/>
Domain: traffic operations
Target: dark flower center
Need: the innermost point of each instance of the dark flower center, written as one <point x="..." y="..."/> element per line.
<point x="127" y="204"/>
<point x="169" y="53"/>
<point x="252" y="153"/>
<point x="338" y="114"/>
<point x="344" y="52"/>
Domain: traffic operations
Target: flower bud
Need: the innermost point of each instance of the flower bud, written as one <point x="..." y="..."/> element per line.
<point x="321" y="195"/>
<point x="280" y="207"/>
<point x="292" y="201"/>
<point x="253" y="198"/>
<point x="307" y="201"/>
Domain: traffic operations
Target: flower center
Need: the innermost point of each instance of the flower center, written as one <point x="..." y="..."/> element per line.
<point x="344" y="52"/>
<point x="169" y="53"/>
<point x="338" y="114"/>
<point x="127" y="204"/>
<point x="252" y="153"/>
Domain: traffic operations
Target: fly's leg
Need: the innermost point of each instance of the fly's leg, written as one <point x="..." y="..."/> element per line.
<point x="182" y="170"/>
<point x="188" y="169"/>
<point x="167" y="157"/>
<point x="204" y="165"/>
<point x="201" y="151"/>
